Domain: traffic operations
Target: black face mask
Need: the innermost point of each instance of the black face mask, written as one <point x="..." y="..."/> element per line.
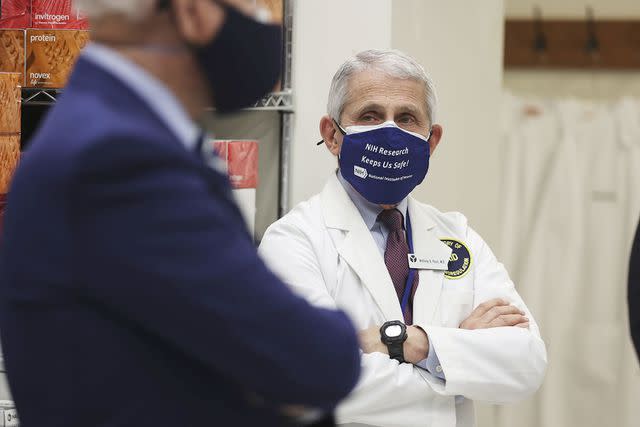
<point x="244" y="61"/>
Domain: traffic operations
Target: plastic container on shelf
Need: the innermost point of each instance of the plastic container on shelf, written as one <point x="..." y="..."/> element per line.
<point x="8" y="414"/>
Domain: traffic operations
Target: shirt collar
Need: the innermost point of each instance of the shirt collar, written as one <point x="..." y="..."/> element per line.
<point x="152" y="91"/>
<point x="369" y="211"/>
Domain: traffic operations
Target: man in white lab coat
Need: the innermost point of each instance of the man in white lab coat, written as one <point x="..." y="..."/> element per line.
<point x="441" y="322"/>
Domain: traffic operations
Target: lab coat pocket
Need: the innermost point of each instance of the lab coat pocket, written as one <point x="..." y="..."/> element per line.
<point x="455" y="306"/>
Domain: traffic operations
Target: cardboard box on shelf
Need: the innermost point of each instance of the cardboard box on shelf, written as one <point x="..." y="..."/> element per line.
<point x="51" y="55"/>
<point x="12" y="51"/>
<point x="241" y="158"/>
<point x="10" y="102"/>
<point x="57" y="14"/>
<point x="9" y="158"/>
<point x="15" y="14"/>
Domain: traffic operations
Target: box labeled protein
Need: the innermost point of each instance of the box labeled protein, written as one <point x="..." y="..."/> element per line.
<point x="15" y="14"/>
<point x="12" y="51"/>
<point x="57" y="14"/>
<point x="51" y="55"/>
<point x="10" y="103"/>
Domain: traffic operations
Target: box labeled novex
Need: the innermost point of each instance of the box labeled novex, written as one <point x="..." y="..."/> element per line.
<point x="15" y="14"/>
<point x="57" y="14"/>
<point x="12" y="52"/>
<point x="51" y="56"/>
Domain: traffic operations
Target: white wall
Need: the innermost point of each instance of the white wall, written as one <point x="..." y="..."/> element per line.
<point x="460" y="44"/>
<point x="326" y="33"/>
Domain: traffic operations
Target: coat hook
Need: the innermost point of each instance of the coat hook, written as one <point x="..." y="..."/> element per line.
<point x="540" y="42"/>
<point x="593" y="44"/>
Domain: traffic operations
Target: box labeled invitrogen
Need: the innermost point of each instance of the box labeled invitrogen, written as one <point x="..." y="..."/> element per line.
<point x="57" y="14"/>
<point x="51" y="56"/>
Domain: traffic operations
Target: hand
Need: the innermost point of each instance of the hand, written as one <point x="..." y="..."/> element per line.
<point x="371" y="342"/>
<point x="415" y="348"/>
<point x="495" y="313"/>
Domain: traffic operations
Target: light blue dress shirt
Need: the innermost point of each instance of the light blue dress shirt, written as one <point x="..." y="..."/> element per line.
<point x="159" y="98"/>
<point x="369" y="212"/>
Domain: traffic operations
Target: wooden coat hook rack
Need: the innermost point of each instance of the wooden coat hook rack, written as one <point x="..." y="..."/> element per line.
<point x="572" y="44"/>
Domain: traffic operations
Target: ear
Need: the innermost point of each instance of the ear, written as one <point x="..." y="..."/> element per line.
<point x="436" y="136"/>
<point x="198" y="21"/>
<point x="331" y="136"/>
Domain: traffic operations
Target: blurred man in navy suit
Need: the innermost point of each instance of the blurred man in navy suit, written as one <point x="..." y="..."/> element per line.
<point x="130" y="291"/>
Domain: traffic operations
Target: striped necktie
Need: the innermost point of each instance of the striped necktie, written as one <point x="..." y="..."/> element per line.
<point x="396" y="257"/>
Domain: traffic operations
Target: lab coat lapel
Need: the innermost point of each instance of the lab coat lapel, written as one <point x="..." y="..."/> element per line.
<point x="359" y="249"/>
<point x="426" y="243"/>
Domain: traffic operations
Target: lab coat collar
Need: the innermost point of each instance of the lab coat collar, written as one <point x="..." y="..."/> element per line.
<point x="359" y="250"/>
<point x="426" y="242"/>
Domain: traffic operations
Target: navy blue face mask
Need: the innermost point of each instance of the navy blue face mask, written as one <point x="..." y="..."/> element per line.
<point x="383" y="163"/>
<point x="243" y="62"/>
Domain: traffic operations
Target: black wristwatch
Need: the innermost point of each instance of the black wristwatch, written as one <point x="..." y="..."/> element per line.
<point x="393" y="334"/>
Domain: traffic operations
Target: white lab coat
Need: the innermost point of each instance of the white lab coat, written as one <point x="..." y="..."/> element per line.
<point x="325" y="252"/>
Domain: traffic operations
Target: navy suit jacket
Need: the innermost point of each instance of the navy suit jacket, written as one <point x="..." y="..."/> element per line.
<point x="131" y="293"/>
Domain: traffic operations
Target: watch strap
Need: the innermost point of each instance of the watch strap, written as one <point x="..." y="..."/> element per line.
<point x="396" y="351"/>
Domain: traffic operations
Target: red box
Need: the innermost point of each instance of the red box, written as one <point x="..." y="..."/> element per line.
<point x="241" y="157"/>
<point x="15" y="14"/>
<point x="57" y="14"/>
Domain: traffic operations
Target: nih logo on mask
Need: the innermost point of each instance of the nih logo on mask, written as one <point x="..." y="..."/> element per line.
<point x="360" y="172"/>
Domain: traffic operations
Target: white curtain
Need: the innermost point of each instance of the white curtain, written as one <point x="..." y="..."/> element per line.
<point x="571" y="199"/>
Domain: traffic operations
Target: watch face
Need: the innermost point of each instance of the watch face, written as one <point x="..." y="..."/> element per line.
<point x="393" y="331"/>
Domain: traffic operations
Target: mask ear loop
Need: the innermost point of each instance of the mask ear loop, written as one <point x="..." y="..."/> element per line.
<point x="342" y="131"/>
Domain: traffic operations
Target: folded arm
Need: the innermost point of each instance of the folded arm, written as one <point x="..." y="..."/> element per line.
<point x="497" y="355"/>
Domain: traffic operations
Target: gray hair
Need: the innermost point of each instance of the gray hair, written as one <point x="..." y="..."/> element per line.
<point x="132" y="9"/>
<point x="394" y="63"/>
